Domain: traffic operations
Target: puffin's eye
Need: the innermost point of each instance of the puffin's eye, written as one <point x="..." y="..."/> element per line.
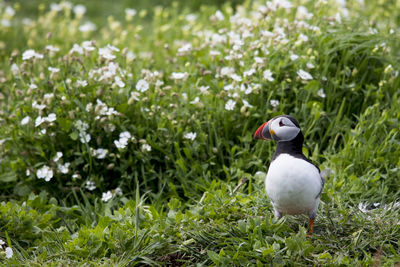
<point x="281" y="123"/>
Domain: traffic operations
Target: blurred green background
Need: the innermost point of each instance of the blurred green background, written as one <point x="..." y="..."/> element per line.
<point x="97" y="9"/>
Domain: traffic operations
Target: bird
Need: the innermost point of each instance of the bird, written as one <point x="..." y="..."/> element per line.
<point x="293" y="182"/>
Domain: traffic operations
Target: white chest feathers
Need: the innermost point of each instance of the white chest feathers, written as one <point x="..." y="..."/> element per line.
<point x="293" y="185"/>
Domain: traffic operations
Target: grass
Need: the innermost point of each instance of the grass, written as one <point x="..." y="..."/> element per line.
<point x="151" y="149"/>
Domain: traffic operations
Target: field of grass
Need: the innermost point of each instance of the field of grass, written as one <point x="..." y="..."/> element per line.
<point x="122" y="139"/>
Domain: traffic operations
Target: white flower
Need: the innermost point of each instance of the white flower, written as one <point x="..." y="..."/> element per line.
<point x="274" y="103"/>
<point x="113" y="48"/>
<point x="204" y="89"/>
<point x="195" y="100"/>
<point x="302" y="13"/>
<point x="99" y="153"/>
<point x="214" y="53"/>
<point x="90" y="185"/>
<point x="106" y="53"/>
<point x="304" y="75"/>
<point x="63" y="168"/>
<point x="159" y="83"/>
<point x="39" y="120"/>
<point x="283" y="3"/>
<point x="185" y="48"/>
<point x="134" y="96"/>
<point x="45" y="173"/>
<point x="227" y="71"/>
<point x="303" y="37"/>
<point x="179" y="75"/>
<point x="5" y="23"/>
<point x="191" y="17"/>
<point x="321" y="93"/>
<point x="84" y="137"/>
<point x="119" y="82"/>
<point x="310" y="65"/>
<point x="9" y="11"/>
<point x="30" y="53"/>
<point x="48" y="96"/>
<point x="246" y="104"/>
<point x="259" y="60"/>
<point x="219" y="16"/>
<point x="228" y="87"/>
<point x="37" y="106"/>
<point x="267" y="33"/>
<point x="191" y="136"/>
<point x="338" y="18"/>
<point x="88" y="27"/>
<point x="121" y="143"/>
<point x="146" y="147"/>
<point x="52" y="48"/>
<point x="247" y="90"/>
<point x="79" y="10"/>
<point x="130" y="12"/>
<point x="106" y="196"/>
<point x="81" y="83"/>
<point x="76" y="48"/>
<point x="52" y="117"/>
<point x="236" y="77"/>
<point x="82" y="126"/>
<point x="88" y="46"/>
<point x="293" y="57"/>
<point x="1" y="243"/>
<point x="230" y="105"/>
<point x="123" y="140"/>
<point x="130" y="56"/>
<point x="249" y="72"/>
<point x="125" y="134"/>
<point x="58" y="156"/>
<point x="25" y="120"/>
<point x="14" y="69"/>
<point x="142" y="86"/>
<point x="9" y="252"/>
<point x="267" y="74"/>
<point x="55" y="7"/>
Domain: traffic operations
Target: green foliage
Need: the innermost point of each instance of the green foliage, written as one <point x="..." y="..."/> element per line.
<point x="122" y="145"/>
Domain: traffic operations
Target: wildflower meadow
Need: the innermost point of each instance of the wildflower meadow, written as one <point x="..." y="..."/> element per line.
<point x="123" y="137"/>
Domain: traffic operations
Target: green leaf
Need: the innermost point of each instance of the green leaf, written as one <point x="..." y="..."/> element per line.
<point x="65" y="124"/>
<point x="22" y="190"/>
<point x="74" y="135"/>
<point x="122" y="108"/>
<point x="213" y="256"/>
<point x="8" y="177"/>
<point x="312" y="86"/>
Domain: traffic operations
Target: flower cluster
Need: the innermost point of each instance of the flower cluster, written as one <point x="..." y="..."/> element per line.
<point x="124" y="138"/>
<point x="9" y="252"/>
<point x="79" y="103"/>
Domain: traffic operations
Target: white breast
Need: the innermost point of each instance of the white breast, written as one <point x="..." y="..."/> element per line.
<point x="293" y="184"/>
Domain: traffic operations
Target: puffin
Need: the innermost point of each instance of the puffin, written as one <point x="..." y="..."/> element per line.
<point x="293" y="183"/>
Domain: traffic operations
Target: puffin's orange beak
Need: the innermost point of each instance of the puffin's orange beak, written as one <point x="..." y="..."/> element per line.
<point x="263" y="132"/>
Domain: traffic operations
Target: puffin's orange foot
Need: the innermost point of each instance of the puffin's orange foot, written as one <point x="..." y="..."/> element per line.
<point x="310" y="231"/>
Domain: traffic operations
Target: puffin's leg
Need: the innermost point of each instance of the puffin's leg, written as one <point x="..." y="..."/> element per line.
<point x="312" y="216"/>
<point x="310" y="230"/>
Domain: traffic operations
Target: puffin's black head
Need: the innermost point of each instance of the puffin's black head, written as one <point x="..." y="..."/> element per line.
<point x="280" y="128"/>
